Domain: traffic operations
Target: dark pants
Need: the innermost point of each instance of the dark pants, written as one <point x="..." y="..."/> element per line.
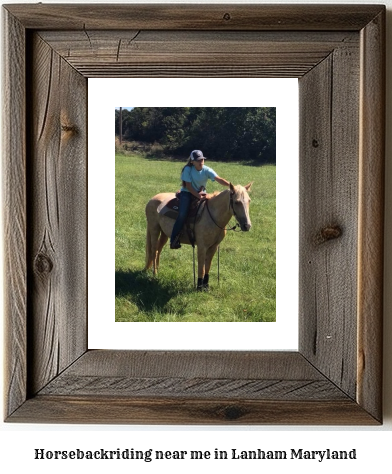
<point x="185" y="202"/>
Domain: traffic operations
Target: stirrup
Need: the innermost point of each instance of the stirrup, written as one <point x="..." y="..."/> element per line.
<point x="175" y="244"/>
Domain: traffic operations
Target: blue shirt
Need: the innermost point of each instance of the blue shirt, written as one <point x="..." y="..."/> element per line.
<point x="197" y="178"/>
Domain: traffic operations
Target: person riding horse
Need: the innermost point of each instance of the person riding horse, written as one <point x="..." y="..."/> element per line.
<point x="194" y="178"/>
<point x="210" y="229"/>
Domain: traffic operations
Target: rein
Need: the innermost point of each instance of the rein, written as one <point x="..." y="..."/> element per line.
<point x="234" y="214"/>
<point x="224" y="228"/>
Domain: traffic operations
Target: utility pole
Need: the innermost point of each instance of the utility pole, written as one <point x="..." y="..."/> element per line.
<point x="120" y="125"/>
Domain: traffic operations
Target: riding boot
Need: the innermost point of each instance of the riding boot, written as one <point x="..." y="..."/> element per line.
<point x="175" y="243"/>
<point x="206" y="279"/>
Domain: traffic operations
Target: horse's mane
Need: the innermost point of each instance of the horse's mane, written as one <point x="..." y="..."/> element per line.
<point x="211" y="195"/>
<point x="215" y="193"/>
<point x="238" y="189"/>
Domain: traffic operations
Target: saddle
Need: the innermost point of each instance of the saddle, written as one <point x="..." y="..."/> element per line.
<point x="169" y="208"/>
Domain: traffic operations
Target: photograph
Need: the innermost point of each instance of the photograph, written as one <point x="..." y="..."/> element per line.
<point x="309" y="254"/>
<point x="195" y="214"/>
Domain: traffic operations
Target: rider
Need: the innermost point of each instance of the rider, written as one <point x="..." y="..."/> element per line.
<point x="194" y="178"/>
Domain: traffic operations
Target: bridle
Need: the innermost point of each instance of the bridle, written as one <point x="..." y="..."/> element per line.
<point x="231" y="205"/>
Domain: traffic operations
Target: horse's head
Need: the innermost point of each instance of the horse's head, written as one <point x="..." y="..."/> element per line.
<point x="239" y="202"/>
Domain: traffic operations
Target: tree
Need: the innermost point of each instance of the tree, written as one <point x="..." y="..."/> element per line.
<point x="223" y="133"/>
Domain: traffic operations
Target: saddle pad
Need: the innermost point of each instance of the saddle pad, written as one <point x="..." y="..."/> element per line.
<point x="170" y="207"/>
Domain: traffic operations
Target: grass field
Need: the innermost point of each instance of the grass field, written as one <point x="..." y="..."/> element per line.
<point x="247" y="288"/>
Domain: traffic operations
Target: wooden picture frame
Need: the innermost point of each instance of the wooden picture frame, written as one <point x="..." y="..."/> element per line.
<point x="338" y="54"/>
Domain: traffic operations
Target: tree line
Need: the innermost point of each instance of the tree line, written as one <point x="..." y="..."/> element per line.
<point x="222" y="133"/>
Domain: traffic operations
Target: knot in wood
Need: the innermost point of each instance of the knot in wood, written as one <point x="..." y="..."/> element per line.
<point x="227" y="16"/>
<point x="328" y="233"/>
<point x="315" y="143"/>
<point x="69" y="129"/>
<point x="43" y="264"/>
<point x="232" y="412"/>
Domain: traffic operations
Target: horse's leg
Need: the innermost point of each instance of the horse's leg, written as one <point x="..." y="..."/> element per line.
<point x="154" y="232"/>
<point x="201" y="258"/>
<point x="209" y="256"/>
<point x="162" y="241"/>
<point x="148" y="249"/>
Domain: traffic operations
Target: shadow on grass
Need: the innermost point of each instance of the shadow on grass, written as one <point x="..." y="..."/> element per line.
<point x="145" y="291"/>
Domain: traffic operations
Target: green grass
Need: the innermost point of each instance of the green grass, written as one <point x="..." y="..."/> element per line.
<point x="247" y="287"/>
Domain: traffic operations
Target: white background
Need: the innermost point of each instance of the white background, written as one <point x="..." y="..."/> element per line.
<point x="104" y="333"/>
<point x="17" y="442"/>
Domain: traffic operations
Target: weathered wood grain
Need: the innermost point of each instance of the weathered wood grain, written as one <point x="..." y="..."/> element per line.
<point x="14" y="200"/>
<point x="165" y="71"/>
<point x="179" y="374"/>
<point x="195" y="53"/>
<point x="123" y="43"/>
<point x="205" y="364"/>
<point x="329" y="167"/>
<point x="194" y="17"/>
<point x="102" y="409"/>
<point x="57" y="200"/>
<point x="193" y="387"/>
<point x="205" y="388"/>
<point x="371" y="215"/>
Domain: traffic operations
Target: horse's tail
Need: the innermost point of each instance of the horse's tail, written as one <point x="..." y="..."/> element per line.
<point x="148" y="249"/>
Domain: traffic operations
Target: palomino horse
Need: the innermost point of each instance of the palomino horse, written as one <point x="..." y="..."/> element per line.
<point x="209" y="230"/>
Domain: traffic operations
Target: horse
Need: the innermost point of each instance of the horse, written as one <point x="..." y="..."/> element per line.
<point x="209" y="230"/>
